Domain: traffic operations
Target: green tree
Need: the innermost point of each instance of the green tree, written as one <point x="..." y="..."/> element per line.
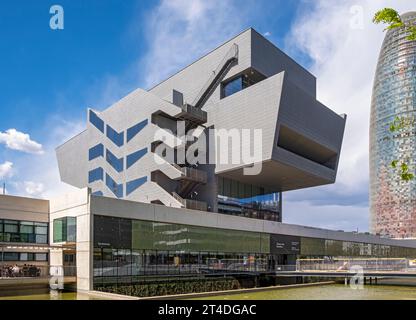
<point x="393" y="20"/>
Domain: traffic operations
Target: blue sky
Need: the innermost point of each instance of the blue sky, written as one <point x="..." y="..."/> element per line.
<point x="108" y="48"/>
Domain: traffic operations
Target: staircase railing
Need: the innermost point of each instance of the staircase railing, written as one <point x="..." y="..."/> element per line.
<point x="211" y="84"/>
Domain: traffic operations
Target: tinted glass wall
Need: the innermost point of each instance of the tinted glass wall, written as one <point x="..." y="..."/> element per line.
<point x="65" y="229"/>
<point x="312" y="247"/>
<point x="245" y="200"/>
<point x="393" y="201"/>
<point x="23" y="231"/>
<point x="136" y="234"/>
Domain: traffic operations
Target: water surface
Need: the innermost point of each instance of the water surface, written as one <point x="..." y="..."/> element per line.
<point x="328" y="292"/>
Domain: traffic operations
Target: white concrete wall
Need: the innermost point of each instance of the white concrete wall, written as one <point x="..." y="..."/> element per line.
<point x="76" y="204"/>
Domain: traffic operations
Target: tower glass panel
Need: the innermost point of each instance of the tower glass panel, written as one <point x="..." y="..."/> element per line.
<point x="392" y="200"/>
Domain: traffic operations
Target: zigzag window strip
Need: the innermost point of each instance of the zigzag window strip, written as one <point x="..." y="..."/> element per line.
<point x="132" y="186"/>
<point x="96" y="152"/>
<point x="116" y="137"/>
<point x="134" y="157"/>
<point x="96" y="121"/>
<point x="133" y="131"/>
<point x="115" y="162"/>
<point x="115" y="188"/>
<point x="96" y="175"/>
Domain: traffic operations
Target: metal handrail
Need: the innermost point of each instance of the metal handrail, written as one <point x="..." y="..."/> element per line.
<point x="230" y="56"/>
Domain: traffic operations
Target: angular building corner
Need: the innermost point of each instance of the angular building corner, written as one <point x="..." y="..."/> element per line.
<point x="393" y="201"/>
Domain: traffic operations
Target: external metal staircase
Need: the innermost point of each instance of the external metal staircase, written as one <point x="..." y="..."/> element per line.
<point x="190" y="178"/>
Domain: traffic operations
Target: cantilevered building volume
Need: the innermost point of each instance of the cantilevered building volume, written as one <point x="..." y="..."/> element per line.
<point x="393" y="201"/>
<point x="246" y="83"/>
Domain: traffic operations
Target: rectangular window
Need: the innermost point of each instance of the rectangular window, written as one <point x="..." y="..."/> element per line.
<point x="26" y="227"/>
<point x="41" y="230"/>
<point x="11" y="256"/>
<point x="96" y="175"/>
<point x="113" y="135"/>
<point x="11" y="228"/>
<point x="41" y="257"/>
<point x="96" y="152"/>
<point x="232" y="87"/>
<point x="59" y="230"/>
<point x="40" y="238"/>
<point x="64" y="229"/>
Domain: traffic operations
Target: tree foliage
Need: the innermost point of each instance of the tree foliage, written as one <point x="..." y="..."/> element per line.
<point x="393" y="20"/>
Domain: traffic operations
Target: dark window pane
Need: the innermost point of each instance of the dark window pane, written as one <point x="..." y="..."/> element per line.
<point x="40" y="238"/>
<point x="113" y="135"/>
<point x="96" y="175"/>
<point x="41" y="230"/>
<point x="232" y="87"/>
<point x="41" y="257"/>
<point x="59" y="230"/>
<point x="96" y="121"/>
<point x="98" y="193"/>
<point x="133" y="131"/>
<point x="11" y="256"/>
<point x="135" y="184"/>
<point x="71" y="229"/>
<point x="134" y="157"/>
<point x="95" y="152"/>
<point x="12" y="228"/>
<point x="26" y="227"/>
<point x="115" y="162"/>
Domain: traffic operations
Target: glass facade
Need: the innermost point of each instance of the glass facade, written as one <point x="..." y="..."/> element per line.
<point x="393" y="201"/>
<point x="23" y="231"/>
<point x="249" y="201"/>
<point x="23" y="256"/>
<point x="65" y="229"/>
<point x="312" y="247"/>
<point x="125" y="248"/>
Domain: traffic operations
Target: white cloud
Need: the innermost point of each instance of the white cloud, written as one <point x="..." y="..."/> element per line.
<point x="182" y="30"/>
<point x="6" y="170"/>
<point x="344" y="50"/>
<point x="20" y="141"/>
<point x="267" y="34"/>
<point x="41" y="178"/>
<point x="34" y="189"/>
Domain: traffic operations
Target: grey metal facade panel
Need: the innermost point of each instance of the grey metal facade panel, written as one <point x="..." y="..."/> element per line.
<point x="191" y="79"/>
<point x="72" y="160"/>
<point x="269" y="60"/>
<point x="308" y="116"/>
